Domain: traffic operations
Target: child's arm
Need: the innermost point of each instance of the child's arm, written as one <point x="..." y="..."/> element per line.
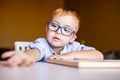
<point x="81" y="55"/>
<point x="26" y="58"/>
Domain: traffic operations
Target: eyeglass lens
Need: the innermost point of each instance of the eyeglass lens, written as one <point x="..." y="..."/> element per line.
<point x="64" y="30"/>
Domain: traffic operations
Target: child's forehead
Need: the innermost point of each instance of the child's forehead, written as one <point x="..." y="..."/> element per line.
<point x="66" y="20"/>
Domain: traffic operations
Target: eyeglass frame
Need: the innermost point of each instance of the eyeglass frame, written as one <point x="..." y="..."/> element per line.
<point x="60" y="27"/>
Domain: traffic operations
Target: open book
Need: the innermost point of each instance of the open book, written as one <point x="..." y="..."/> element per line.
<point x="88" y="63"/>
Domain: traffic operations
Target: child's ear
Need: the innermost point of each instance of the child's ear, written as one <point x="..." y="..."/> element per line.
<point x="73" y="38"/>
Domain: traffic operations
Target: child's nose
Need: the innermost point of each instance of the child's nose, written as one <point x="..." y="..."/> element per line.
<point x="58" y="31"/>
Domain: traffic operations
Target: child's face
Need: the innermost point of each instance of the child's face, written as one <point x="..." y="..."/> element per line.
<point x="62" y="36"/>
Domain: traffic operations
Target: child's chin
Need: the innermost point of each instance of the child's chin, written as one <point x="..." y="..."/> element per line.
<point x="56" y="45"/>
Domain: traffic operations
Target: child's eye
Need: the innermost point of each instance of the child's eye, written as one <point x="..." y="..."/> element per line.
<point x="55" y="26"/>
<point x="67" y="30"/>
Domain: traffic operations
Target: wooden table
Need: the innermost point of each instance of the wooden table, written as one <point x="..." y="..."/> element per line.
<point x="47" y="71"/>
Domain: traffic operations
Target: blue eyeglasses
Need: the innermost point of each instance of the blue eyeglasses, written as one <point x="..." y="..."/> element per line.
<point x="64" y="30"/>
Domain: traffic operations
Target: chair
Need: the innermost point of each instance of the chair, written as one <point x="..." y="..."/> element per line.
<point x="21" y="45"/>
<point x="111" y="54"/>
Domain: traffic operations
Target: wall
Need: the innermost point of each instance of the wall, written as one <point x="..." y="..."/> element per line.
<point x="100" y="24"/>
<point x="24" y="20"/>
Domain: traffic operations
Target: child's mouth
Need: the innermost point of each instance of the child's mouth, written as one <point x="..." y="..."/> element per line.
<point x="56" y="38"/>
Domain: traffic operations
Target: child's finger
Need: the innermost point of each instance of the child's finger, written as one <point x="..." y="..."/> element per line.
<point x="13" y="61"/>
<point x="9" y="63"/>
<point x="8" y="54"/>
<point x="53" y="57"/>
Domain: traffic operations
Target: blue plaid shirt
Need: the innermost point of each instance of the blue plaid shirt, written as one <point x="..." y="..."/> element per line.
<point x="45" y="49"/>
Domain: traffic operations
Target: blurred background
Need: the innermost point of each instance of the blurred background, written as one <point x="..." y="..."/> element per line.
<point x="25" y="20"/>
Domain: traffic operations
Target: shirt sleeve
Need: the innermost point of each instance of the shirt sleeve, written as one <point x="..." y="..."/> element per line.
<point x="38" y="44"/>
<point x="84" y="47"/>
<point x="78" y="46"/>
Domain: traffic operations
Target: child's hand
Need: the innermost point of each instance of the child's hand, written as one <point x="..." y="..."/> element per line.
<point x="17" y="58"/>
<point x="67" y="56"/>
